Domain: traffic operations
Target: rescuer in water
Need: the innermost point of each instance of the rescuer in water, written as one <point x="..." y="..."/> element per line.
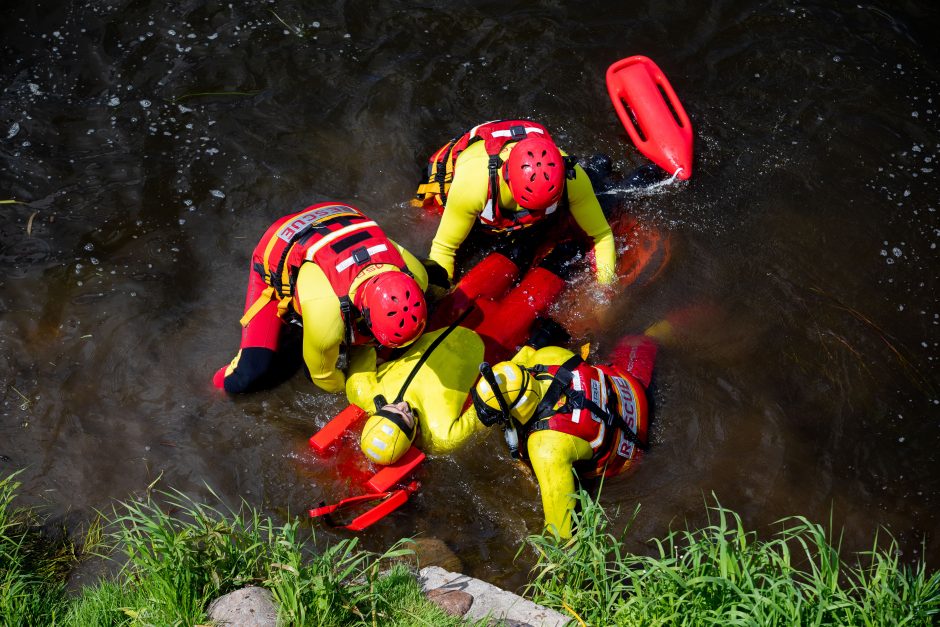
<point x="335" y="271"/>
<point x="511" y="178"/>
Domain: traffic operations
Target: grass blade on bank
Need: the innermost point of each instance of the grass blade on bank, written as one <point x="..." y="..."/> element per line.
<point x="724" y="574"/>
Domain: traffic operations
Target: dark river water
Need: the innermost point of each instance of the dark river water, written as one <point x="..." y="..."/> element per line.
<point x="151" y="143"/>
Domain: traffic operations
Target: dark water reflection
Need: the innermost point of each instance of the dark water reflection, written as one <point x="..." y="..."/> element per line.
<point x="809" y="229"/>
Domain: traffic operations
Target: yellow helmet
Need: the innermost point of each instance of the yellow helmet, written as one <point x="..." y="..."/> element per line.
<point x="515" y="387"/>
<point x="387" y="435"/>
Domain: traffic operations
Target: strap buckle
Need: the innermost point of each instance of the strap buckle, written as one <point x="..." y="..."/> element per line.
<point x="517" y="133"/>
<point x="361" y="255"/>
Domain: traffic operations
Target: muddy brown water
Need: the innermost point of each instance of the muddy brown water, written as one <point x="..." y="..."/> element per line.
<point x="152" y="143"/>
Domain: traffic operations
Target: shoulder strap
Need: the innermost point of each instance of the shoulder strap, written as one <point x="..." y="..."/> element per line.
<point x="561" y="382"/>
<point x="346" y="309"/>
<point x="495" y="164"/>
<point x="427" y="353"/>
<point x="613" y="419"/>
<point x="570" y="162"/>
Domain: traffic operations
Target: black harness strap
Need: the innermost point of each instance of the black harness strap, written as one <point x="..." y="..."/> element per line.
<point x="299" y="238"/>
<point x="495" y="164"/>
<point x="612" y="419"/>
<point x="346" y="309"/>
<point x="570" y="161"/>
<point x="575" y="399"/>
<point x="441" y="175"/>
<point x="349" y="241"/>
<point x="561" y="383"/>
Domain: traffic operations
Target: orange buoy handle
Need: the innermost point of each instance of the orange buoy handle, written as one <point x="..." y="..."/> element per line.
<point x="651" y="113"/>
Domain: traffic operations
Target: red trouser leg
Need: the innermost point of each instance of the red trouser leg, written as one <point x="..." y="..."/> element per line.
<point x="260" y="336"/>
<point x="488" y="280"/>
<point x="507" y="326"/>
<point x="636" y="355"/>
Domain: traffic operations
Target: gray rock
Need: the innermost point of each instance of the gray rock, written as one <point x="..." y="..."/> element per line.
<point x="248" y="607"/>
<point x="490" y="602"/>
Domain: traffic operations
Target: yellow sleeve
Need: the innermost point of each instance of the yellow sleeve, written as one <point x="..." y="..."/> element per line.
<point x="440" y="388"/>
<point x="552" y="455"/>
<point x="588" y="214"/>
<point x="548" y="355"/>
<point x="524" y="356"/>
<point x="448" y="436"/>
<point x="323" y="327"/>
<point x="465" y="202"/>
<point x="361" y="381"/>
<point x="414" y="266"/>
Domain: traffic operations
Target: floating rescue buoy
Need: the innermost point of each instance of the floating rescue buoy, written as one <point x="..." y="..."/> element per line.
<point x="651" y="113"/>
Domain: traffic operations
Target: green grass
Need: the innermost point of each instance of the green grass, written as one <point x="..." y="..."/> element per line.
<point x="175" y="564"/>
<point x="169" y="566"/>
<point x="724" y="575"/>
<point x="32" y="564"/>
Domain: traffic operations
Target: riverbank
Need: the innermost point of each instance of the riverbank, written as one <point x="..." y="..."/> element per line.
<point x="176" y="564"/>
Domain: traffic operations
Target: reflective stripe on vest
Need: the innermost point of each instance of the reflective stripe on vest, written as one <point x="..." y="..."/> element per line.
<point x="508" y="133"/>
<point x="378" y="248"/>
<point x="335" y="235"/>
<point x="305" y="236"/>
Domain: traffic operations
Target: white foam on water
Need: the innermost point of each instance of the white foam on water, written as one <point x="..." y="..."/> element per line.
<point x="646" y="190"/>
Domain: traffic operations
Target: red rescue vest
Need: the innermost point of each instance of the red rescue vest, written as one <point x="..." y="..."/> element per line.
<point x="339" y="238"/>
<point x="616" y="393"/>
<point x="495" y="135"/>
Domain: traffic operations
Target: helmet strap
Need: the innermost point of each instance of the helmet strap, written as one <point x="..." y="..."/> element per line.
<point x="396" y="419"/>
<point x="487" y="373"/>
<point x="522" y="388"/>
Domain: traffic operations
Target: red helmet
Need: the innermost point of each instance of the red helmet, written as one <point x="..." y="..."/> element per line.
<point x="535" y="172"/>
<point x="394" y="308"/>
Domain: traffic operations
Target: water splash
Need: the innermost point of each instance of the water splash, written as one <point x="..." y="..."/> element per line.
<point x="642" y="191"/>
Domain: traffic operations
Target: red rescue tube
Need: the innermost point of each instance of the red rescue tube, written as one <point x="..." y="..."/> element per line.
<point x="508" y="324"/>
<point x="394" y="474"/>
<point x="335" y="428"/>
<point x="388" y="502"/>
<point x="489" y="279"/>
<point x="651" y="113"/>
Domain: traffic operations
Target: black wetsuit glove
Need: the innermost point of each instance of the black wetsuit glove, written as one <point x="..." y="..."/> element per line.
<point x="560" y="260"/>
<point x="437" y="275"/>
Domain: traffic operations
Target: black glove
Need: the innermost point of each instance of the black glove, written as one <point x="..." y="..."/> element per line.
<point x="560" y="260"/>
<point x="437" y="275"/>
<point x="548" y="333"/>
